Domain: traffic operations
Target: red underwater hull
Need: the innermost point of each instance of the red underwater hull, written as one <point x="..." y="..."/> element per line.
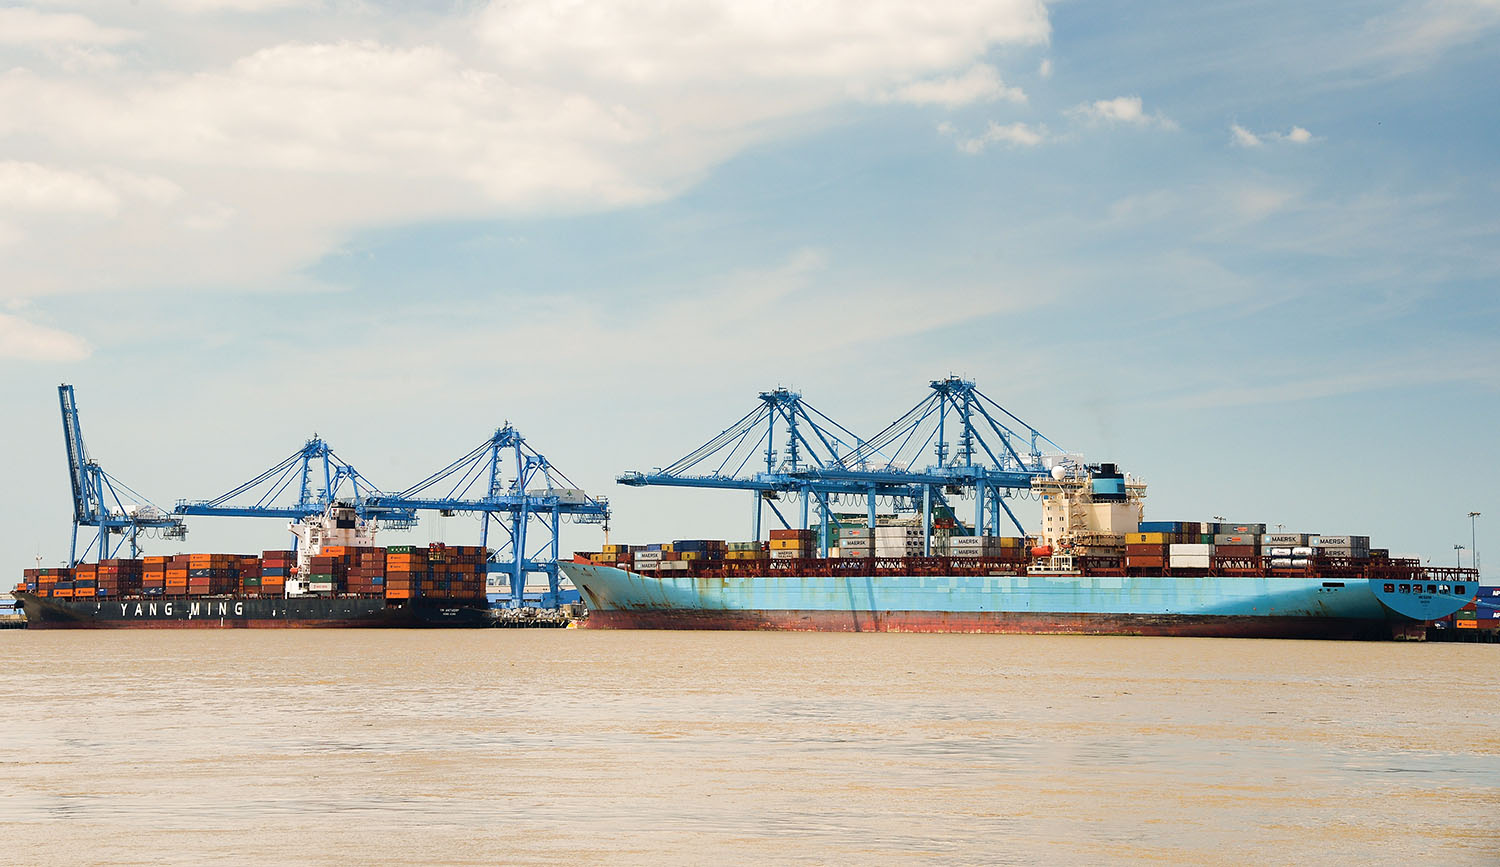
<point x="1029" y="623"/>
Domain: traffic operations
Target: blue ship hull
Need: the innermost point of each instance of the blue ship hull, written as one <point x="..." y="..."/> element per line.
<point x="1221" y="606"/>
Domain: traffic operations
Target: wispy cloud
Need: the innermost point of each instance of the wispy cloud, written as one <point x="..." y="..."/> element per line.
<point x="1124" y="110"/>
<point x="20" y="25"/>
<point x="22" y="340"/>
<point x="981" y="83"/>
<point x="1243" y="137"/>
<point x="1016" y="134"/>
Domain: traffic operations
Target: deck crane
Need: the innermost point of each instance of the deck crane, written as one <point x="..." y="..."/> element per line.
<point x="510" y="486"/>
<point x="97" y="498"/>
<point x="977" y="443"/>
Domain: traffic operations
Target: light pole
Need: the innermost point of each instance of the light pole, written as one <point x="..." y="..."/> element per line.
<point x="1474" y="540"/>
<point x="1458" y="551"/>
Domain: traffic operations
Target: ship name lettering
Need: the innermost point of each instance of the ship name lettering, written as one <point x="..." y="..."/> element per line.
<point x="166" y="608"/>
<point x="124" y="607"/>
<point x="137" y="609"/>
<point x="239" y="609"/>
<point x="151" y="609"/>
<point x="223" y="609"/>
<point x="193" y="610"/>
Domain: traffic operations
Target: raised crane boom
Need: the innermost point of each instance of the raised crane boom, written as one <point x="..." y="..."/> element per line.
<point x="97" y="498"/>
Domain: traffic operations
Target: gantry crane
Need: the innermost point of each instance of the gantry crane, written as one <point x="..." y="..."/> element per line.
<point x="977" y="443"/>
<point x="511" y="500"/>
<point x="97" y="498"/>
<point x="509" y="485"/>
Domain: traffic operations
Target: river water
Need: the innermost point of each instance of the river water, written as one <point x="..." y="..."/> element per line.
<point x="568" y="746"/>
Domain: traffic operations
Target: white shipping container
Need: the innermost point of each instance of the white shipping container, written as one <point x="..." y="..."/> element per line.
<point x="1290" y="540"/>
<point x="1194" y="548"/>
<point x="1303" y="552"/>
<point x="1190" y="561"/>
<point x="786" y="554"/>
<point x="320" y="587"/>
<point x="852" y="552"/>
<point x="647" y="556"/>
<point x="1281" y="552"/>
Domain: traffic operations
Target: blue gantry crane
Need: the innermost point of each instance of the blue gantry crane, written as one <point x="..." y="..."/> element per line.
<point x="317" y="477"/>
<point x="503" y="480"/>
<point x="980" y="448"/>
<point x="97" y="497"/>
<point x="510" y="486"/>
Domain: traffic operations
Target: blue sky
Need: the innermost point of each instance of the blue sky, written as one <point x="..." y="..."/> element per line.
<point x="1248" y="251"/>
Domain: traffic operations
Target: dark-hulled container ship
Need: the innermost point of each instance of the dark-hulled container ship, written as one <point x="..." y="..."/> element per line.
<point x="337" y="577"/>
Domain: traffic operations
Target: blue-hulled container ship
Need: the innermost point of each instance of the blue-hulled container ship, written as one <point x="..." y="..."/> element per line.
<point x="1096" y="568"/>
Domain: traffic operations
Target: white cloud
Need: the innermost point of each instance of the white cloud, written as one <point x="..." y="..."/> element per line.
<point x="26" y="341"/>
<point x="1124" y="110"/>
<point x="981" y="82"/>
<point x="268" y="160"/>
<point x="28" y="187"/>
<point x="22" y="26"/>
<point x="1044" y="69"/>
<point x="1245" y="138"/>
<point x="1018" y="134"/>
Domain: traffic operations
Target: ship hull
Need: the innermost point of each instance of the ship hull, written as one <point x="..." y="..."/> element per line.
<point x="250" y="613"/>
<point x="1220" y="607"/>
<point x="1043" y="623"/>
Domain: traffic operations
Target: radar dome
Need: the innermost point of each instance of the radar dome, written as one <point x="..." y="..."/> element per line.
<point x="1058" y="472"/>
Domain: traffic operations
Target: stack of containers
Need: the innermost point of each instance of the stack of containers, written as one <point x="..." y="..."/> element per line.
<point x="1190" y="555"/>
<point x="154" y="576"/>
<point x="616" y="554"/>
<point x="1240" y="546"/>
<point x="367" y="574"/>
<point x="1148" y="550"/>
<point x="85" y="581"/>
<point x="47" y="582"/>
<point x="1343" y="547"/>
<point x="212" y="574"/>
<point x="1487" y="613"/>
<point x="745" y="551"/>
<point x="249" y="575"/>
<point x="898" y="540"/>
<point x="275" y="568"/>
<point x="328" y="570"/>
<point x="988" y="547"/>
<point x="455" y="572"/>
<point x="405" y="569"/>
<point x="856" y="542"/>
<point x="699" y="549"/>
<point x="791" y="544"/>
<point x="118" y="578"/>
<point x="177" y="575"/>
<point x="647" y="557"/>
<point x="1287" y="550"/>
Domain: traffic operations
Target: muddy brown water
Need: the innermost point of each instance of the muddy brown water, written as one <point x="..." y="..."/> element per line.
<point x="553" y="746"/>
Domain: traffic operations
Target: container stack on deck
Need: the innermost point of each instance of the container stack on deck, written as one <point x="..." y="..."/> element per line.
<point x="275" y="568"/>
<point x="791" y="544"/>
<point x="400" y="572"/>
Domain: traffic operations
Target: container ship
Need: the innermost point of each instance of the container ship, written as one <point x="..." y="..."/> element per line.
<point x="1095" y="568"/>
<point x="335" y="577"/>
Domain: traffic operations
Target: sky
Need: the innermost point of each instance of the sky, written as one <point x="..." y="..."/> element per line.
<point x="1248" y="251"/>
